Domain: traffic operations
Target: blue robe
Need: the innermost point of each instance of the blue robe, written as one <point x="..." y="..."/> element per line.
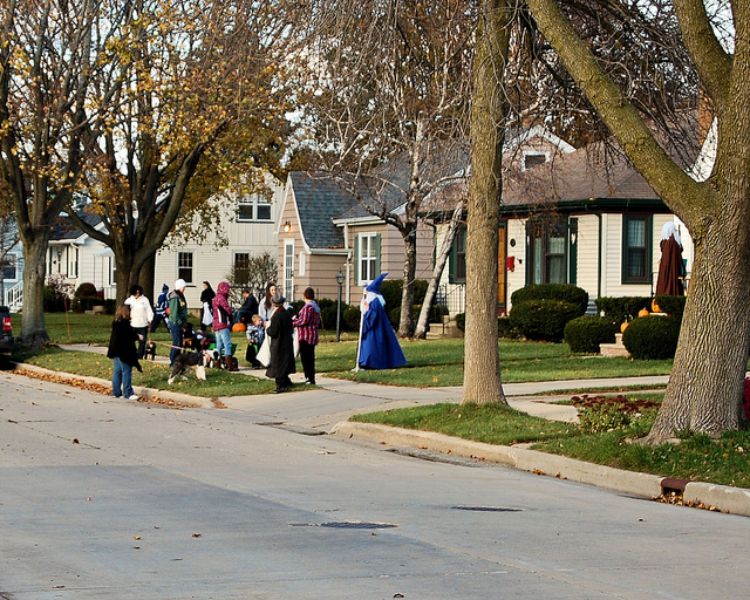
<point x="379" y="348"/>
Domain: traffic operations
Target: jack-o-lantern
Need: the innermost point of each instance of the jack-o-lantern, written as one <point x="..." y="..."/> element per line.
<point x="239" y="327"/>
<point x="643" y="312"/>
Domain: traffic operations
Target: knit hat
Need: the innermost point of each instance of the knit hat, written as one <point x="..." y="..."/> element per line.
<point x="180" y="284"/>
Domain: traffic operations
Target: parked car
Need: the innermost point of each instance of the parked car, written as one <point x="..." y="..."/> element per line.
<point x="6" y="331"/>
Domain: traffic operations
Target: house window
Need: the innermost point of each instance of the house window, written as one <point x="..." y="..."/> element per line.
<point x="636" y="249"/>
<point x="254" y="208"/>
<point x="185" y="266"/>
<point x="73" y="264"/>
<point x="547" y="251"/>
<point x="112" y="270"/>
<point x="368" y="251"/>
<point x="532" y="159"/>
<point x="289" y="269"/>
<point x="9" y="267"/>
<point x="457" y="259"/>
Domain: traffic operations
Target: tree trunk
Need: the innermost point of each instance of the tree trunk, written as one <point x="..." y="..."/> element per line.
<point x="125" y="277"/>
<point x="33" y="330"/>
<point x="406" y="324"/>
<point x="146" y="277"/>
<point x="705" y="389"/>
<point x="482" y="383"/>
<point x="437" y="273"/>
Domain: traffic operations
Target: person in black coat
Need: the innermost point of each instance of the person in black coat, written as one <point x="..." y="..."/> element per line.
<point x="248" y="309"/>
<point x="207" y="299"/>
<point x="122" y="349"/>
<point x="280" y="331"/>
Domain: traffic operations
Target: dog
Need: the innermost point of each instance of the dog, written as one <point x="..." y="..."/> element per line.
<point x="150" y="353"/>
<point x="198" y="359"/>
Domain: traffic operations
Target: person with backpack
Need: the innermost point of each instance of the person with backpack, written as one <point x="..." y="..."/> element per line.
<point x="178" y="316"/>
<point x="222" y="323"/>
<point x="308" y="323"/>
<point x="162" y="303"/>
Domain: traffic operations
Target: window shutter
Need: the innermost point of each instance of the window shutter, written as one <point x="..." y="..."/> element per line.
<point x="357" y="277"/>
<point x="452" y="261"/>
<point x="376" y="241"/>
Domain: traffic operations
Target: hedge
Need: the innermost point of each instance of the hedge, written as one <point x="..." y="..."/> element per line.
<point x="584" y="334"/>
<point x="674" y="306"/>
<point x="543" y="319"/>
<point x="553" y="291"/>
<point x="620" y="309"/>
<point x="652" y="337"/>
<point x="392" y="289"/>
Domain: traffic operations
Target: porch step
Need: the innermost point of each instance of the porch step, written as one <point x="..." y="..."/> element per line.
<point x="447" y="329"/>
<point x="616" y="349"/>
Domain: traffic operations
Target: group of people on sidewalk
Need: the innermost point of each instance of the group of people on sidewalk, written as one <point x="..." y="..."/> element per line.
<point x="271" y="318"/>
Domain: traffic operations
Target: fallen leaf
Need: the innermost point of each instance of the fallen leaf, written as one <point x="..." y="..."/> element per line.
<point x="197" y="535"/>
<point x="136" y="537"/>
<point x="75" y="441"/>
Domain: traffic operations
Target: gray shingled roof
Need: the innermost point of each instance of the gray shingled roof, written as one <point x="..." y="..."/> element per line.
<point x="65" y="229"/>
<point x="320" y="199"/>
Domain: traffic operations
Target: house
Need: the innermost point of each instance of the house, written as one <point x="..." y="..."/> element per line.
<point x="248" y="228"/>
<point x="325" y="229"/>
<point x="586" y="218"/>
<point x="11" y="266"/>
<point x="73" y="258"/>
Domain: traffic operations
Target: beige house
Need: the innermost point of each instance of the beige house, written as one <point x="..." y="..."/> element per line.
<point x="324" y="230"/>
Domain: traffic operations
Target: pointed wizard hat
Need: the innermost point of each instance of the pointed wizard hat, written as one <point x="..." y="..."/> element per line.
<point x="374" y="285"/>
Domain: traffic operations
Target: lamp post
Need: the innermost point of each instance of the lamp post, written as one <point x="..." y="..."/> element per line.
<point x="340" y="281"/>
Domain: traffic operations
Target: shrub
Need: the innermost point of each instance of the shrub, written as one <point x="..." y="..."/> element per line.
<point x="584" y="334"/>
<point x="85" y="290"/>
<point x="328" y="315"/>
<point x="460" y="321"/>
<point x="543" y="319"/>
<point x="652" y="337"/>
<point x="674" y="306"/>
<point x="506" y="330"/>
<point x="352" y="317"/>
<point x="597" y="414"/>
<point x="394" y="316"/>
<point x="392" y="289"/>
<point x="553" y="291"/>
<point x="54" y="301"/>
<point x="618" y="310"/>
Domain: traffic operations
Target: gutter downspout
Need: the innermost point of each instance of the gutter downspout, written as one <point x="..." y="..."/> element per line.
<point x="348" y="263"/>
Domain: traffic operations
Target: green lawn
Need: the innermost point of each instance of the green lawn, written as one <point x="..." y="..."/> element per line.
<point x="218" y="382"/>
<point x="433" y="363"/>
<point x="697" y="457"/>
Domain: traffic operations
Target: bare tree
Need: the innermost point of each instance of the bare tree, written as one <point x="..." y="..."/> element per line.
<point x="705" y="387"/>
<point x="47" y="61"/>
<point x="386" y="106"/>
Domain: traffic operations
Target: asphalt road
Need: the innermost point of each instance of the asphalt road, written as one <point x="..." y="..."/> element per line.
<point x="108" y="499"/>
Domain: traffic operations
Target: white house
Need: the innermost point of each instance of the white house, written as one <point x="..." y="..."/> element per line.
<point x="248" y="229"/>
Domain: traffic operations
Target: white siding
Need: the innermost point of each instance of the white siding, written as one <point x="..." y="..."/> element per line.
<point x="588" y="254"/>
<point x="516" y="278"/>
<point x="211" y="263"/>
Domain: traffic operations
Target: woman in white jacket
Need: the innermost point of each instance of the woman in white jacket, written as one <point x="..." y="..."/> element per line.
<point x="141" y="316"/>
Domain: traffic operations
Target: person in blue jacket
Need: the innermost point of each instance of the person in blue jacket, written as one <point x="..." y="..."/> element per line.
<point x="379" y="347"/>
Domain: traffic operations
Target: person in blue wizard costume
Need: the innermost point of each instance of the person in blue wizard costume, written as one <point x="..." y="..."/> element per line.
<point x="379" y="348"/>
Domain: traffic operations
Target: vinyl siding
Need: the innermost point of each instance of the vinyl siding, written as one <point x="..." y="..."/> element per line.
<point x="588" y="253"/>
<point x="517" y="278"/>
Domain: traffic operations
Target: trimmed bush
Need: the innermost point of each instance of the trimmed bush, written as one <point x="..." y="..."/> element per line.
<point x="674" y="306"/>
<point x="394" y="315"/>
<point x="460" y="321"/>
<point x="652" y="337"/>
<point x="619" y="309"/>
<point x="328" y="316"/>
<point x="584" y="334"/>
<point x="352" y="316"/>
<point x="392" y="288"/>
<point x="53" y="300"/>
<point x="543" y="319"/>
<point x="85" y="290"/>
<point x="506" y="330"/>
<point x="553" y="291"/>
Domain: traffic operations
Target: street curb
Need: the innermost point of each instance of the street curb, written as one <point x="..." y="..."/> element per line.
<point x="720" y="497"/>
<point x="147" y="394"/>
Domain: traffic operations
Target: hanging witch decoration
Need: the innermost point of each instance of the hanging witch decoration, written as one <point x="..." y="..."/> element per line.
<point x="378" y="345"/>
<point x="669" y="280"/>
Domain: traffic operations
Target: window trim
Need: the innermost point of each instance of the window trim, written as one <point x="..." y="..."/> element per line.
<point x="647" y="278"/>
<point x="526" y="153"/>
<point x="16" y="261"/>
<point x="454" y="256"/>
<point x="289" y="293"/>
<point x="254" y="201"/>
<point x="192" y="266"/>
<point x="548" y="227"/>
<point x="372" y="257"/>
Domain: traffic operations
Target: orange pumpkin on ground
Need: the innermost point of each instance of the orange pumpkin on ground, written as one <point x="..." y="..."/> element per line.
<point x="239" y="327"/>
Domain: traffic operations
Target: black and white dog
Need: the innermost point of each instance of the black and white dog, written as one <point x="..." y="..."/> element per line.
<point x="198" y="358"/>
<point x="150" y="353"/>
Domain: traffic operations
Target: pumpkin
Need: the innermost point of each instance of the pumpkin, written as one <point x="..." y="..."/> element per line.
<point x="239" y="327"/>
<point x="655" y="307"/>
<point x="624" y="326"/>
<point x="643" y="312"/>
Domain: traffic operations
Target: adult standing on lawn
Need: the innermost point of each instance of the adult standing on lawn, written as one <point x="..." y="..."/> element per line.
<point x="122" y="350"/>
<point x="378" y="346"/>
<point x="308" y="324"/>
<point x="141" y="316"/>
<point x="280" y="332"/>
<point x="178" y="315"/>
<point x="222" y="323"/>
<point x="162" y="303"/>
<point x="207" y="300"/>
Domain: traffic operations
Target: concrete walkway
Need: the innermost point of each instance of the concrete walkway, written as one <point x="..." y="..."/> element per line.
<point x="336" y="400"/>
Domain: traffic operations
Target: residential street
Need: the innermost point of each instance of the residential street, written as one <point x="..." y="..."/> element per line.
<point x="102" y="498"/>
